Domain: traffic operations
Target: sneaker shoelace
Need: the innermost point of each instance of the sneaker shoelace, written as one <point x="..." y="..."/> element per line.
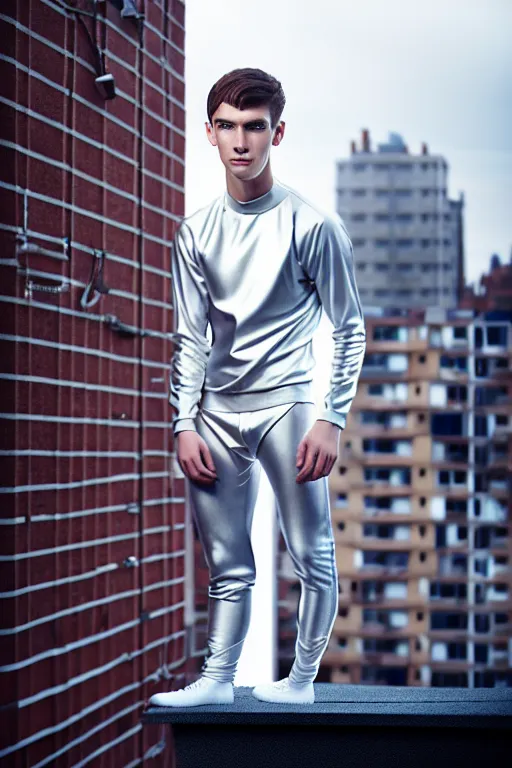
<point x="196" y="684"/>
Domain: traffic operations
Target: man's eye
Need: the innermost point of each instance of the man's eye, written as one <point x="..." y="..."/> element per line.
<point x="258" y="127"/>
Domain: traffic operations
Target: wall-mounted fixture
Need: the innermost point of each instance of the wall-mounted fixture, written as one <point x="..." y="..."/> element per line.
<point x="56" y="284"/>
<point x="96" y="285"/>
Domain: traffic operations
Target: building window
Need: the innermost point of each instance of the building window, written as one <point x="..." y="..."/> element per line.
<point x="448" y="620"/>
<point x="450" y="679"/>
<point x="497" y="335"/>
<point x="482" y="623"/>
<point x="446" y="423"/>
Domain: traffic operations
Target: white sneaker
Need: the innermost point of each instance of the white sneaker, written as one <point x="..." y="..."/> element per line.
<point x="205" y="690"/>
<point x="285" y="692"/>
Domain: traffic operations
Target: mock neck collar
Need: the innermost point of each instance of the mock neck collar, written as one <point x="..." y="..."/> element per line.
<point x="270" y="199"/>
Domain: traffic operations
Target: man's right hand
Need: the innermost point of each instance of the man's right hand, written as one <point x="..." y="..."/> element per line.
<point x="194" y="457"/>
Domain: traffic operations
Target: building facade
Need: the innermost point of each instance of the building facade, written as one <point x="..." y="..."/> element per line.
<point x="421" y="501"/>
<point x="96" y="603"/>
<point x="406" y="232"/>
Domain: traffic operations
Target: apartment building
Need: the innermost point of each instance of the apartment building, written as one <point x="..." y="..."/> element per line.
<point x="406" y="232"/>
<point x="420" y="499"/>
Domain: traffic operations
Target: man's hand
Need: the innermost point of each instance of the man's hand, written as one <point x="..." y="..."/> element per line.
<point x="194" y="457"/>
<point x="317" y="451"/>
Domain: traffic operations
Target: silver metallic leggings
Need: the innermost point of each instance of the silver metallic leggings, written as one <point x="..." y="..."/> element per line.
<point x="223" y="512"/>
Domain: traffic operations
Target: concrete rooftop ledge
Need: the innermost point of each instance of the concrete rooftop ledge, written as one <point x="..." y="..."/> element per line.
<point x="348" y="726"/>
<point x="356" y="705"/>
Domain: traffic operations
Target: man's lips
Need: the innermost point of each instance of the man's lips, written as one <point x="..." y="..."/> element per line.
<point x="241" y="162"/>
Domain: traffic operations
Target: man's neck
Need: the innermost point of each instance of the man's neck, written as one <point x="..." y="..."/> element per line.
<point x="265" y="202"/>
<point x="245" y="191"/>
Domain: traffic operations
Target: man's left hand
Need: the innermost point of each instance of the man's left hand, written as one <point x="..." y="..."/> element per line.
<point x="317" y="451"/>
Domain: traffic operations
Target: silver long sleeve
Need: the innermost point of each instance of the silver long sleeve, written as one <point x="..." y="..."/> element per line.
<point x="191" y="348"/>
<point x="328" y="258"/>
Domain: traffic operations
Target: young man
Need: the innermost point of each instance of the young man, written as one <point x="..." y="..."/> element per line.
<point x="258" y="264"/>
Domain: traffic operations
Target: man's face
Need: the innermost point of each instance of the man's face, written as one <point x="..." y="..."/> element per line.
<point x="243" y="135"/>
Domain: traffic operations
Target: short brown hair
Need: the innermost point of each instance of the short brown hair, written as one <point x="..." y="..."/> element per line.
<point x="246" y="88"/>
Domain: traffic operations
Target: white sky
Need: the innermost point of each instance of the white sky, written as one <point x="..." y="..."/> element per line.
<point x="439" y="73"/>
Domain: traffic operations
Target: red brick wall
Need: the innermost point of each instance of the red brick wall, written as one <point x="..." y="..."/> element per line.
<point x="85" y="440"/>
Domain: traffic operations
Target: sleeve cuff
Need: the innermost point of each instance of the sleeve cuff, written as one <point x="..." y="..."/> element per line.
<point x="335" y="418"/>
<point x="182" y="425"/>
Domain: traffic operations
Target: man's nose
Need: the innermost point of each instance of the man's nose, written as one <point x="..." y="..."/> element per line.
<point x="240" y="141"/>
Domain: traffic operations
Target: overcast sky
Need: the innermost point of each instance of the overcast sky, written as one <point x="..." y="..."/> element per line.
<point x="439" y="72"/>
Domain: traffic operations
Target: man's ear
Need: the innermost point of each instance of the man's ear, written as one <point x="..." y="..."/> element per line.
<point x="210" y="134"/>
<point x="278" y="133"/>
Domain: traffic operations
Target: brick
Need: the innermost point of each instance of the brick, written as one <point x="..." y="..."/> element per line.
<point x="153" y="72"/>
<point x="178" y="11"/>
<point x="116" y="43"/>
<point x="154" y="130"/>
<point x="178" y="35"/>
<point x="46" y="179"/>
<point x="47" y="140"/>
<point x="153" y="42"/>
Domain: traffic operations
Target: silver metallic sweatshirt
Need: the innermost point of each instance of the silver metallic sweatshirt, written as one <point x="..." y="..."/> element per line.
<point x="257" y="274"/>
